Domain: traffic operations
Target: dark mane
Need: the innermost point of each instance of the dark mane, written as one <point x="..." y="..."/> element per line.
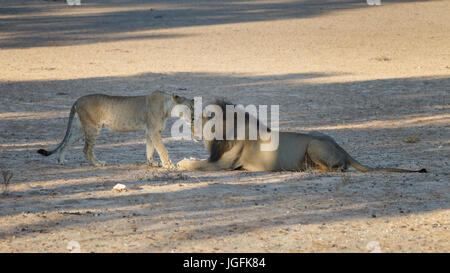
<point x="219" y="147"/>
<point x="223" y="105"/>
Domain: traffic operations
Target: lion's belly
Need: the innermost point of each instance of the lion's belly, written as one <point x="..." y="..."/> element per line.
<point x="288" y="157"/>
<point x="122" y="125"/>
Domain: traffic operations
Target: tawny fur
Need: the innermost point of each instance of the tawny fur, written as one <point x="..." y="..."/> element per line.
<point x="296" y="152"/>
<point x="119" y="114"/>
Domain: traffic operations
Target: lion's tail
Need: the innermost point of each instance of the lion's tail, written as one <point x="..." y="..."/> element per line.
<point x="363" y="168"/>
<point x="66" y="137"/>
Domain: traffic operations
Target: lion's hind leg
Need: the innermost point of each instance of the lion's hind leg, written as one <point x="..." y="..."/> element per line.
<point x="326" y="155"/>
<point x="76" y="134"/>
<point x="90" y="135"/>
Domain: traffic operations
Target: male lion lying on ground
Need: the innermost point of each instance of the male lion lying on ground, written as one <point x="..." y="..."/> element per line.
<point x="296" y="152"/>
<point x="119" y="114"/>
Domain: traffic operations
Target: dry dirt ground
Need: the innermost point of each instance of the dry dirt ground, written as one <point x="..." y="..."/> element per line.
<point x="375" y="78"/>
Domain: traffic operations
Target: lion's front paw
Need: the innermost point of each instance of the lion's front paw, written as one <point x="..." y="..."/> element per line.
<point x="153" y="164"/>
<point x="99" y="163"/>
<point x="182" y="165"/>
<point x="185" y="164"/>
<point x="169" y="166"/>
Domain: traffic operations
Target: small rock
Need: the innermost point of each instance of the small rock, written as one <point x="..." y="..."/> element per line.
<point x="120" y="188"/>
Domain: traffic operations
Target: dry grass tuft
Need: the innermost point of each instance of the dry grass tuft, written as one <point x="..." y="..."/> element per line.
<point x="412" y="139"/>
<point x="7" y="175"/>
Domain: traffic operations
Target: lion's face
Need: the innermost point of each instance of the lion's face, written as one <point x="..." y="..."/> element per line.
<point x="190" y="104"/>
<point x="204" y="119"/>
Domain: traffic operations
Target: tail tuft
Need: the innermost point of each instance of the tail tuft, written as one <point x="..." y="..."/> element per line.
<point x="423" y="171"/>
<point x="43" y="152"/>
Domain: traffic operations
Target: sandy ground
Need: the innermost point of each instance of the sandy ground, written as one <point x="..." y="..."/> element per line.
<point x="372" y="77"/>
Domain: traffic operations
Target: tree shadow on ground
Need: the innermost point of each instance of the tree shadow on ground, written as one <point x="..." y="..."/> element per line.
<point x="52" y="23"/>
<point x="359" y="115"/>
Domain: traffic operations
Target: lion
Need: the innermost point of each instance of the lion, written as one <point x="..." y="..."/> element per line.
<point x="119" y="114"/>
<point x="295" y="152"/>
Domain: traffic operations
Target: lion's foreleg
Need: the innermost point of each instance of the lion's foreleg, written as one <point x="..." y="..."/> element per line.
<point x="162" y="152"/>
<point x="150" y="151"/>
<point x="200" y="165"/>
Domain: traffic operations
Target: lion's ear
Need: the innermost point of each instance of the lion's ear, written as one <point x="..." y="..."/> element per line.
<point x="176" y="98"/>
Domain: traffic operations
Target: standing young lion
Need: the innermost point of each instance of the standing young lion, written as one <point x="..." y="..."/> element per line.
<point x="119" y="114"/>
